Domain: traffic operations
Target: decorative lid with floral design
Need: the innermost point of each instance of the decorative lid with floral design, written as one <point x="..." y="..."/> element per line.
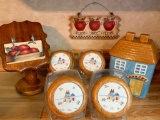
<point x="111" y="97"/>
<point x="90" y="61"/>
<point x="66" y="97"/>
<point x="61" y="60"/>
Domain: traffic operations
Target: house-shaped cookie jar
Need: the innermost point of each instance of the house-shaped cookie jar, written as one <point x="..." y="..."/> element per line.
<point x="137" y="57"/>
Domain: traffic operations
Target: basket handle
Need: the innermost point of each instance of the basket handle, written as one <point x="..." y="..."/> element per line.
<point x="93" y="3"/>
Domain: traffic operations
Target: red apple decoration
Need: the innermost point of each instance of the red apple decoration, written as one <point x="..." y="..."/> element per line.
<point x="12" y="53"/>
<point x="80" y="24"/>
<point x="23" y="47"/>
<point x="94" y="25"/>
<point x="33" y="50"/>
<point x="22" y="52"/>
<point x="14" y="47"/>
<point x="108" y="24"/>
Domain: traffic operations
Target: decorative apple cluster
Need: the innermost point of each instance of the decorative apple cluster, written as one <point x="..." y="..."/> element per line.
<point x="94" y="27"/>
<point x="20" y="50"/>
<point x="94" y="23"/>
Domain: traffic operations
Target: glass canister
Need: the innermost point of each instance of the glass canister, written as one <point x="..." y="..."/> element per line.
<point x="65" y="95"/>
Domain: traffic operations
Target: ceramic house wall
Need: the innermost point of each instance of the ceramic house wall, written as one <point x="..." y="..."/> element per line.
<point x="129" y="68"/>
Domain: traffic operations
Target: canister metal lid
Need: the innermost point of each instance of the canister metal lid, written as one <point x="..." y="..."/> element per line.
<point x="61" y="60"/>
<point x="111" y="97"/>
<point x="66" y="97"/>
<point x="90" y="61"/>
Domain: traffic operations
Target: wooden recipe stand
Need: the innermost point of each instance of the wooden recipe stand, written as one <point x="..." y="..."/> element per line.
<point x="22" y="32"/>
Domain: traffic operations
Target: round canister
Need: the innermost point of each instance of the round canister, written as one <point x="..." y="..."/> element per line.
<point x="66" y="97"/>
<point x="90" y="61"/>
<point x="61" y="60"/>
<point x="111" y="96"/>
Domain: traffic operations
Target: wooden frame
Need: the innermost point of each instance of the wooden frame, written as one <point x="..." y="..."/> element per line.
<point x="22" y="32"/>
